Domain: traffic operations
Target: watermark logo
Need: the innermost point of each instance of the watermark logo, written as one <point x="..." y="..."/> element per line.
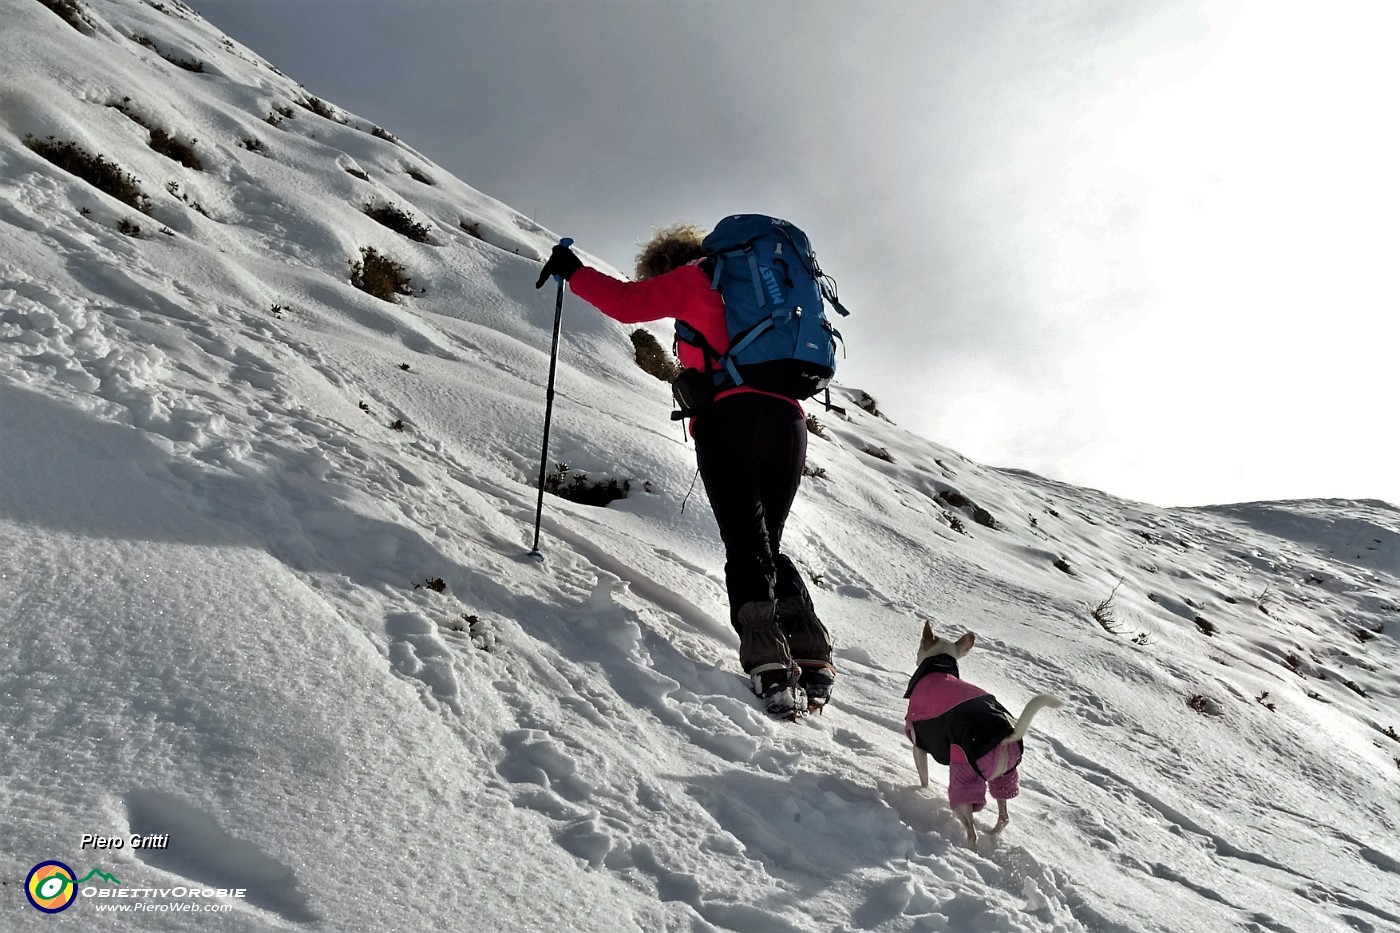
<point x="51" y="887"/>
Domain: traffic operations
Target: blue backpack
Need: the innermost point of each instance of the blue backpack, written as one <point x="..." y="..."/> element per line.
<point x="779" y="337"/>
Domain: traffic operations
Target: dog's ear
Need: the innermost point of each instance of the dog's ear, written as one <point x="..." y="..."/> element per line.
<point x="964" y="644"/>
<point x="928" y="638"/>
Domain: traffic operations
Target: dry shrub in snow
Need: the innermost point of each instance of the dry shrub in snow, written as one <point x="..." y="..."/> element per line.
<point x="652" y="357"/>
<point x="318" y="107"/>
<point x="579" y="488"/>
<point x="105" y="176"/>
<point x="1106" y="612"/>
<point x="1204" y="705"/>
<point x="72" y="13"/>
<point x="398" y="220"/>
<point x="172" y="148"/>
<point x="379" y="275"/>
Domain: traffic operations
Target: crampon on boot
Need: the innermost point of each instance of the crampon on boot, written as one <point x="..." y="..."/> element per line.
<point x="776" y="685"/>
<point x="816" y="681"/>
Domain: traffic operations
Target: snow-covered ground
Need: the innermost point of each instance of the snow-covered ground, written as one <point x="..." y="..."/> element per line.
<point x="213" y="551"/>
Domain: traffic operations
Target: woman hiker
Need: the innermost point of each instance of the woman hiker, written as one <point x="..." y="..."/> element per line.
<point x="751" y="446"/>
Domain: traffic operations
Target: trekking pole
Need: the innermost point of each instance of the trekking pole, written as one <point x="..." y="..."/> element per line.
<point x="549" y="405"/>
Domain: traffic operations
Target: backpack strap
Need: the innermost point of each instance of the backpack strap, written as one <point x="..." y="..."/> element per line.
<point x="753" y="334"/>
<point x="690" y="335"/>
<point x="712" y="370"/>
<point x="754" y="276"/>
<point x="753" y="271"/>
<point x="828" y="291"/>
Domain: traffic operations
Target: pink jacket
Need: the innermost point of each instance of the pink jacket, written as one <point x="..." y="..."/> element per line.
<point x="684" y="294"/>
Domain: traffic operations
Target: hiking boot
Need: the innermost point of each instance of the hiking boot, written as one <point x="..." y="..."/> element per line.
<point x="764" y="656"/>
<point x="810" y="645"/>
<point x="778" y="688"/>
<point x="816" y="681"/>
<point x="761" y="642"/>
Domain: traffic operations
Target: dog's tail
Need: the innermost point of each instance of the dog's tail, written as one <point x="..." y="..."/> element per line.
<point x="1037" y="703"/>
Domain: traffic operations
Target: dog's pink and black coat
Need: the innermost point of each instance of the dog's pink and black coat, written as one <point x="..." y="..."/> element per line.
<point x="962" y="726"/>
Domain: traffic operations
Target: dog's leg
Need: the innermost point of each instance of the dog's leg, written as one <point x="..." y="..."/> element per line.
<point x="1003" y="817"/>
<point x="921" y="763"/>
<point x="964" y="812"/>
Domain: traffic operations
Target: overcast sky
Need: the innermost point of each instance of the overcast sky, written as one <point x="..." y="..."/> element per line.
<point x="1144" y="247"/>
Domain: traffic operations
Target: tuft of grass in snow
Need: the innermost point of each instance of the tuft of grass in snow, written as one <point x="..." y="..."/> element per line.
<point x="174" y="188"/>
<point x="1204" y="705"/>
<point x="105" y="176"/>
<point x="172" y="148"/>
<point x="398" y="220"/>
<point x="955" y="499"/>
<point x="479" y="632"/>
<point x="318" y="107"/>
<point x="867" y="402"/>
<point x="815" y="427"/>
<point x="278" y="114"/>
<point x="1106" y="612"/>
<point x="579" y="488"/>
<point x="379" y="275"/>
<point x="124" y="107"/>
<point x="72" y="13"/>
<point x="189" y="64"/>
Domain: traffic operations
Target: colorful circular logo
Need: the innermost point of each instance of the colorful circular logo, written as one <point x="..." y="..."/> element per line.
<point x="50" y="887"/>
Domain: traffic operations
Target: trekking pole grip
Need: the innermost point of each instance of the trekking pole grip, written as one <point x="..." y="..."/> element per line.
<point x="565" y="242"/>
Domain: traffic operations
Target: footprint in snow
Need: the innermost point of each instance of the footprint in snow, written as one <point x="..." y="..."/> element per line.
<point x="536" y="757"/>
<point x="210" y="857"/>
<point x="416" y="651"/>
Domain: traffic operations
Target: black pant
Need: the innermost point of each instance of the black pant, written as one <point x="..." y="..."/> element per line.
<point x="751" y="449"/>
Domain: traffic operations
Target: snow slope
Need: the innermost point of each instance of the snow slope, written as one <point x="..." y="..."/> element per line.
<point x="213" y="547"/>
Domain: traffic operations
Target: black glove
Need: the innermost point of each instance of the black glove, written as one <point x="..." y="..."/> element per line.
<point x="562" y="262"/>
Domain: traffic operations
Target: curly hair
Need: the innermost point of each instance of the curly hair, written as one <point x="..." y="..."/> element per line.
<point x="670" y="248"/>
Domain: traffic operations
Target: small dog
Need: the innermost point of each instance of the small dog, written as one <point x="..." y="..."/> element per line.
<point x="965" y="728"/>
